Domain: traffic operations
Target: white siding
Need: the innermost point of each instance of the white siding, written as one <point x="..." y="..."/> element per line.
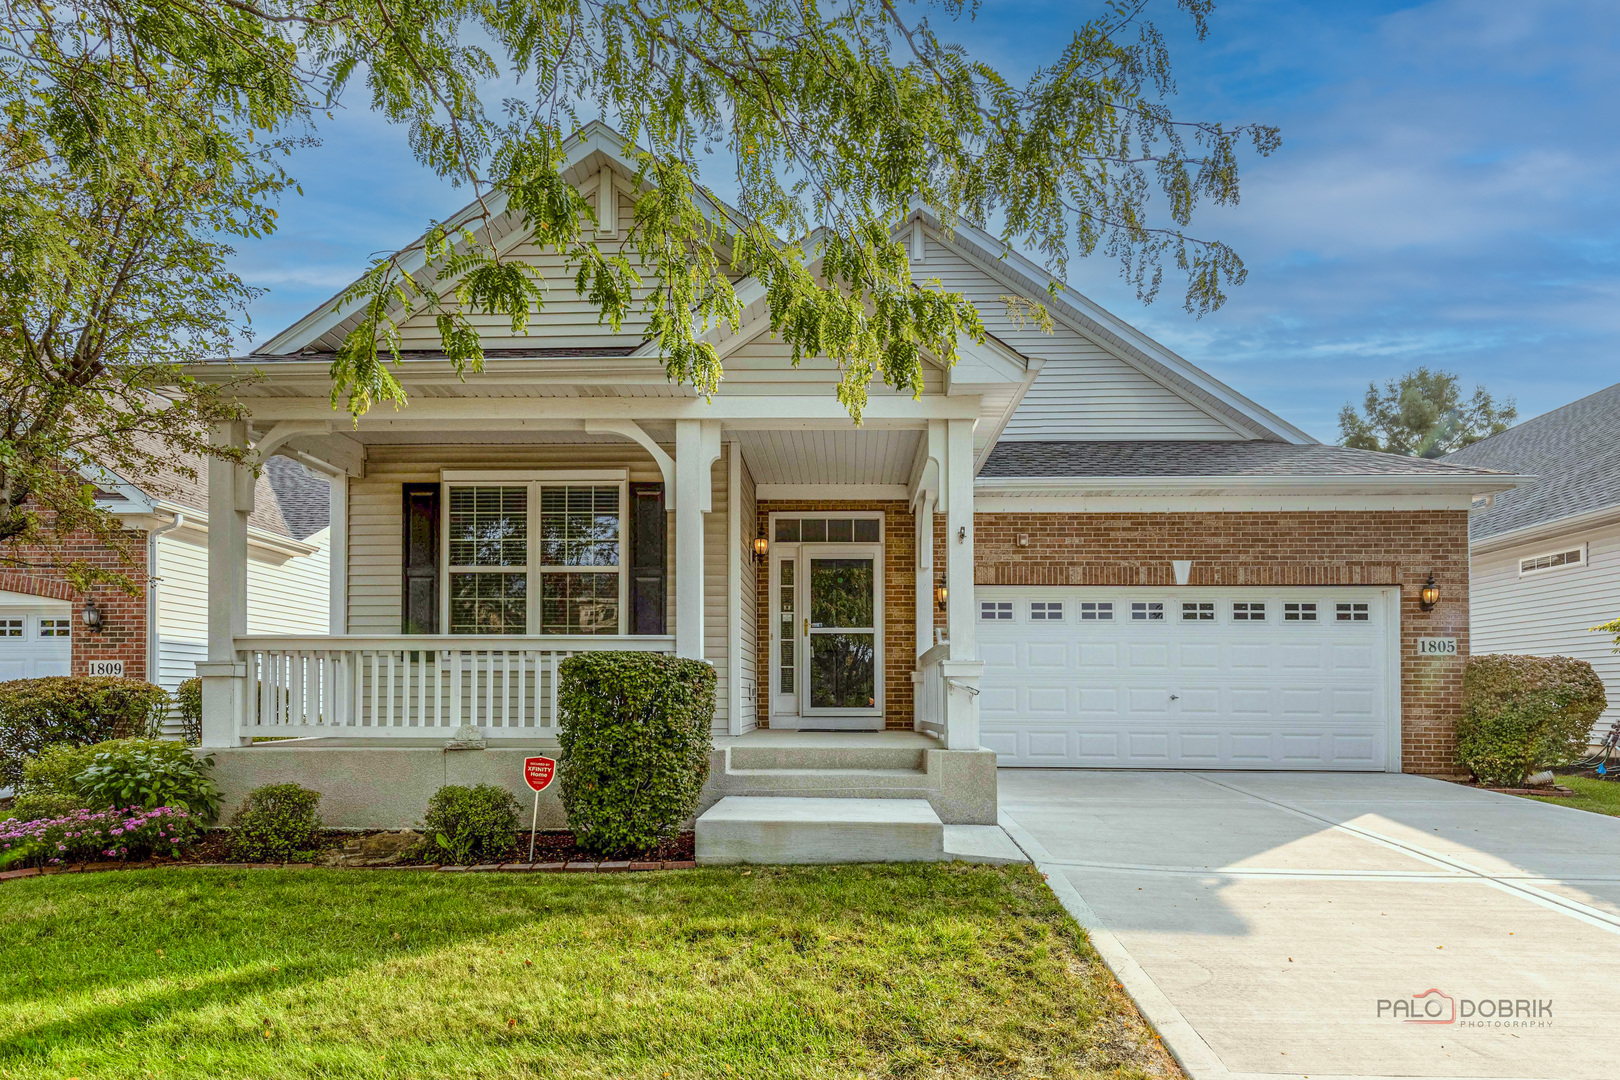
<point x="1084" y="391"/>
<point x="1548" y="613"/>
<point x="716" y="577"/>
<point x="286" y="595"/>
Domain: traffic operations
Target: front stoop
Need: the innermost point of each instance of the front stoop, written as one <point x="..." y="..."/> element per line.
<point x="768" y="829"/>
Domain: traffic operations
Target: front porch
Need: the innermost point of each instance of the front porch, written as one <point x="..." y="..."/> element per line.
<point x="465" y="572"/>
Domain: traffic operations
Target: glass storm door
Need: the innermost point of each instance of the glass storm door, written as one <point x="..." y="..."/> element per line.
<point x="841" y="660"/>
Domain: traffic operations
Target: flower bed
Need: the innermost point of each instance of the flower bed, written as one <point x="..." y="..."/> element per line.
<point x="120" y="832"/>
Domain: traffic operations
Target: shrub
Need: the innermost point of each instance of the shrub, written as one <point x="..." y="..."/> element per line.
<point x="1522" y="714"/>
<point x="275" y="823"/>
<point x="54" y="770"/>
<point x="113" y="833"/>
<point x="34" y="713"/>
<point x="31" y="805"/>
<point x="188" y="702"/>
<point x="635" y="746"/>
<point x="150" y="773"/>
<point x="471" y="824"/>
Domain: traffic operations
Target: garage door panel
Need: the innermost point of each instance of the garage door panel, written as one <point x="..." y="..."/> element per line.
<point x="1222" y="693"/>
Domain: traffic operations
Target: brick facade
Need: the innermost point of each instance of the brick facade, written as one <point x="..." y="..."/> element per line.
<point x="123" y="633"/>
<point x="899" y="604"/>
<point x="1291" y="548"/>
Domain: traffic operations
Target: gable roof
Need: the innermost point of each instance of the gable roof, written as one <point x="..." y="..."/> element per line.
<point x="1573" y="451"/>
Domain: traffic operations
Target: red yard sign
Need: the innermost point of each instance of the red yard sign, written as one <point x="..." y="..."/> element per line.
<point x="539" y="771"/>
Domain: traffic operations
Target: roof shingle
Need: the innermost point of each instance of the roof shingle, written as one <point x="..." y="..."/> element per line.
<point x="1574" y="452"/>
<point x="1055" y="460"/>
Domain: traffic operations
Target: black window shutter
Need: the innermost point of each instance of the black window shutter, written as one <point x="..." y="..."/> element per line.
<point x="420" y="587"/>
<point x="647" y="525"/>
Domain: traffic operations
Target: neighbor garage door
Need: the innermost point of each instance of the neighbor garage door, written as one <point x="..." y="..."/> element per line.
<point x="34" y="637"/>
<point x="1191" y="679"/>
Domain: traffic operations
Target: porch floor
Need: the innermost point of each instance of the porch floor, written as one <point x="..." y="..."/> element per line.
<point x="911" y="740"/>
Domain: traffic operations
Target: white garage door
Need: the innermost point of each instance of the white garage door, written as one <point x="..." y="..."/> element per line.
<point x="34" y="637"/>
<point x="1190" y="679"/>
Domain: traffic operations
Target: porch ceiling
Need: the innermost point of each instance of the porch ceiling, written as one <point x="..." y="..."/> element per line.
<point x="869" y="456"/>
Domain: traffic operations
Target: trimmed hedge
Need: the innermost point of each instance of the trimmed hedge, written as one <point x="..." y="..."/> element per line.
<point x="1522" y="714"/>
<point x="276" y="823"/>
<point x="35" y="713"/>
<point x="188" y="702"/>
<point x="635" y="741"/>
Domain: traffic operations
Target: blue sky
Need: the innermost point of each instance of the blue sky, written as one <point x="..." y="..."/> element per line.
<point x="1447" y="193"/>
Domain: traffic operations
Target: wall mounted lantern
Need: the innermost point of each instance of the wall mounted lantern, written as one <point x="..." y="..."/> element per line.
<point x="940" y="594"/>
<point x="92" y="616"/>
<point x="1429" y="595"/>
<point x="761" y="546"/>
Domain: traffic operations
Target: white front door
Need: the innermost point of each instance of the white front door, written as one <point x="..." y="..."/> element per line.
<point x="1242" y="678"/>
<point x="826" y="632"/>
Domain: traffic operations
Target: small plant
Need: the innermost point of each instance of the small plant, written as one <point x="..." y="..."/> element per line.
<point x="1522" y="714"/>
<point x="471" y="824"/>
<point x="35" y="713"/>
<point x="54" y="771"/>
<point x="188" y="706"/>
<point x="119" y="832"/>
<point x="635" y="746"/>
<point x="276" y="823"/>
<point x="150" y="773"/>
<point x="31" y="805"/>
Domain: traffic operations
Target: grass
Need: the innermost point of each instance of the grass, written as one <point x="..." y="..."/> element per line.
<point x="1598" y="796"/>
<point x="929" y="971"/>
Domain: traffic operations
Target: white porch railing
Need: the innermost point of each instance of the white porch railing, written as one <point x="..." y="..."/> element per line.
<point x="945" y="696"/>
<point x="410" y="686"/>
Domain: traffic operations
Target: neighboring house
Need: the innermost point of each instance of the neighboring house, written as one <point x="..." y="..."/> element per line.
<point x="43" y="630"/>
<point x="1075" y="549"/>
<point x="1546" y="558"/>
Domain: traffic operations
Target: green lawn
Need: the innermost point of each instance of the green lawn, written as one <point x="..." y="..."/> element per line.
<point x="1598" y="796"/>
<point x="924" y="971"/>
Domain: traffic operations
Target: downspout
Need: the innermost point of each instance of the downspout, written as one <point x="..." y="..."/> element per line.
<point x="152" y="579"/>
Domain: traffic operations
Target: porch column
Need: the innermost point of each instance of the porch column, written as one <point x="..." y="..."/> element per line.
<point x="222" y="675"/>
<point x="958" y="483"/>
<point x="697" y="445"/>
<point x="923" y="512"/>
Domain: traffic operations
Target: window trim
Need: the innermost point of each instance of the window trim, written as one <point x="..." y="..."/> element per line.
<point x="535" y="480"/>
<point x="1536" y="571"/>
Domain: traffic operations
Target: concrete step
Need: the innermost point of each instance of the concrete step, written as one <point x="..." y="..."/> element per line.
<point x="767" y="829"/>
<point x="798" y="758"/>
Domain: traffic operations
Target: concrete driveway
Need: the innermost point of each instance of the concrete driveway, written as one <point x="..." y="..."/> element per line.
<point x="1297" y="924"/>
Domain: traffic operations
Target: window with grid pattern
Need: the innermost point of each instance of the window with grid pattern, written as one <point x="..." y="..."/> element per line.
<point x="1046" y="611"/>
<point x="1300" y="612"/>
<point x="1147" y="611"/>
<point x="995" y="611"/>
<point x="1197" y="611"/>
<point x="1102" y="611"/>
<point x="1350" y="612"/>
<point x="488" y="557"/>
<point x="11" y="628"/>
<point x="1249" y="611"/>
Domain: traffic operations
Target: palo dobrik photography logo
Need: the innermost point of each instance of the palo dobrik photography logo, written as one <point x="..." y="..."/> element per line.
<point x="1435" y="1006"/>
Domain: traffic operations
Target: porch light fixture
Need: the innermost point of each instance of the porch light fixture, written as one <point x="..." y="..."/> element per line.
<point x="761" y="546"/>
<point x="91" y="616"/>
<point x="940" y="594"/>
<point x="1429" y="595"/>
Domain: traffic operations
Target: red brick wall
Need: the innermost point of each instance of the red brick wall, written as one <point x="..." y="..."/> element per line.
<point x="899" y="604"/>
<point x="123" y="617"/>
<point x="1295" y="548"/>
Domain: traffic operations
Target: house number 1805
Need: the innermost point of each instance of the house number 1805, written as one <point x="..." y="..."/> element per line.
<point x="1437" y="646"/>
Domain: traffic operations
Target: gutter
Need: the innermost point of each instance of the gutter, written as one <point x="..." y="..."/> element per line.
<point x="152" y="579"/>
<point x="257" y="537"/>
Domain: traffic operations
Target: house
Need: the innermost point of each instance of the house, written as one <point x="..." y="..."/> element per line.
<point x="45" y="624"/>
<point x="1075" y="549"/>
<point x="1546" y="558"/>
